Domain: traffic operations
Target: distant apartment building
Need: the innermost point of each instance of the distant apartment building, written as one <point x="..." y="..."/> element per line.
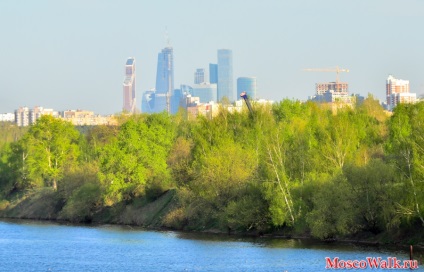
<point x="87" y="118"/>
<point x="22" y="117"/>
<point x="397" y="91"/>
<point x="37" y="112"/>
<point x="334" y="93"/>
<point x="7" y="117"/>
<point x="321" y="88"/>
<point x="195" y="108"/>
<point x="25" y="116"/>
<point x="402" y="98"/>
<point x="129" y="104"/>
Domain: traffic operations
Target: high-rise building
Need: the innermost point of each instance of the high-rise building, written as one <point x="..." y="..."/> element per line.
<point x="129" y="86"/>
<point x="248" y="85"/>
<point x="397" y="91"/>
<point x="321" y="88"/>
<point x="22" y="117"/>
<point x="164" y="79"/>
<point x="25" y="116"/>
<point x="199" y="76"/>
<point x="225" y="74"/>
<point x="37" y="112"/>
<point x="206" y="92"/>
<point x="213" y="73"/>
<point x="402" y="98"/>
<point x="165" y="71"/>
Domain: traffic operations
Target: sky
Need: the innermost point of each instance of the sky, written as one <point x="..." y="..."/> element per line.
<point x="71" y="54"/>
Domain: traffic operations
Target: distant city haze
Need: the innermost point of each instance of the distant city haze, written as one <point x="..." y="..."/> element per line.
<point x="72" y="54"/>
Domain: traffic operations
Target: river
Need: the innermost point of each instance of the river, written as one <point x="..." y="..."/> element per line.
<point x="46" y="246"/>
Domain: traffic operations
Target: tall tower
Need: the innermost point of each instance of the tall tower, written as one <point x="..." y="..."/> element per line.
<point x="164" y="79"/>
<point x="248" y="85"/>
<point x="129" y="86"/>
<point x="213" y="73"/>
<point x="225" y="74"/>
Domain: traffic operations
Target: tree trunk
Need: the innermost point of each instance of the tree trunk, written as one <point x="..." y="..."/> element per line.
<point x="54" y="184"/>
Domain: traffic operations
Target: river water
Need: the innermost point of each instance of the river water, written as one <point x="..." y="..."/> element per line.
<point x="42" y="246"/>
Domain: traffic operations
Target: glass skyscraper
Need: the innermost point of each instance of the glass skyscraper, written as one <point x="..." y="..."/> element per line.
<point x="199" y="76"/>
<point x="213" y="73"/>
<point x="165" y="71"/>
<point x="205" y="91"/>
<point x="248" y="85"/>
<point x="164" y="79"/>
<point x="129" y="86"/>
<point x="225" y="75"/>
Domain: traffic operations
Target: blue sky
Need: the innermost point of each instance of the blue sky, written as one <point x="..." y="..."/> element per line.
<point x="71" y="54"/>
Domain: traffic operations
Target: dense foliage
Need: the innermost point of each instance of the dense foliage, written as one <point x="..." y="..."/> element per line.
<point x="292" y="166"/>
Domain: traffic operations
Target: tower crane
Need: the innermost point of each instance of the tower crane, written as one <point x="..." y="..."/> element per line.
<point x="337" y="70"/>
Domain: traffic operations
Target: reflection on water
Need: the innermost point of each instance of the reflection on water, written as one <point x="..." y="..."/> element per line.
<point x="43" y="246"/>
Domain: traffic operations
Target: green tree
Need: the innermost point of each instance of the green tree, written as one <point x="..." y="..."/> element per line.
<point x="136" y="159"/>
<point x="333" y="213"/>
<point x="375" y="192"/>
<point x="47" y="150"/>
<point x="406" y="147"/>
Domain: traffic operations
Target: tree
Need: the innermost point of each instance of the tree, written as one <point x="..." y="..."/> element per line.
<point x="333" y="213"/>
<point x="136" y="159"/>
<point x="48" y="149"/>
<point x="406" y="146"/>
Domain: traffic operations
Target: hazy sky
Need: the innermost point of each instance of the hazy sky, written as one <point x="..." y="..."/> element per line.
<point x="71" y="54"/>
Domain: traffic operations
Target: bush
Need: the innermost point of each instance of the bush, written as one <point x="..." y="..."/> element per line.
<point x="4" y="204"/>
<point x="81" y="206"/>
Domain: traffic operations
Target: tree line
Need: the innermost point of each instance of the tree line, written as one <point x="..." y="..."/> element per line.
<point x="290" y="166"/>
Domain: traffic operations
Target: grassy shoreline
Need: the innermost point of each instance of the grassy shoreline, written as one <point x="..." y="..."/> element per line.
<point x="44" y="205"/>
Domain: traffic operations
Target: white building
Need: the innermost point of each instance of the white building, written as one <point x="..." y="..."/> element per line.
<point x="397" y="91"/>
<point x="7" y="117"/>
<point x="22" y="116"/>
<point x="25" y="116"/>
<point x="398" y="98"/>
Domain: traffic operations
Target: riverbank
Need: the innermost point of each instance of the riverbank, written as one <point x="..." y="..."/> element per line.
<point x="150" y="214"/>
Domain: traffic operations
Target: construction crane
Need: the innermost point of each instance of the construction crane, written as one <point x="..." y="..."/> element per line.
<point x="332" y="70"/>
<point x="246" y="99"/>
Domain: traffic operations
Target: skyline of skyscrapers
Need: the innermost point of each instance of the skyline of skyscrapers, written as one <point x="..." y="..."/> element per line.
<point x="248" y="85"/>
<point x="220" y="83"/>
<point x="129" y="86"/>
<point x="225" y="75"/>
